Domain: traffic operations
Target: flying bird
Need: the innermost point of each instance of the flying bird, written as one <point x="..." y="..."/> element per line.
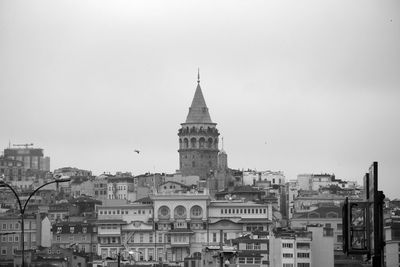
<point x="137" y="151"/>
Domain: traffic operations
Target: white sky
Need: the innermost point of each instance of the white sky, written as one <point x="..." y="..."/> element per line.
<point x="299" y="86"/>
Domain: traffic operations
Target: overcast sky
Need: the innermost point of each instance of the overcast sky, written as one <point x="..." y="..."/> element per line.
<point x="299" y="86"/>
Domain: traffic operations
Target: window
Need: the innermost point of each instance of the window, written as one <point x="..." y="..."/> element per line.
<point x="303" y="264"/>
<point x="150" y="253"/>
<point x="3" y="251"/>
<point x="242" y="260"/>
<point x="164" y="211"/>
<point x="302" y="245"/>
<point x="339" y="226"/>
<point x="159" y="238"/>
<point x="141" y="238"/>
<point x="196" y="211"/>
<point x="58" y="238"/>
<point x="288" y="265"/>
<point x="287" y="245"/>
<point x="214" y="237"/>
<point x="303" y="255"/>
<point x="249" y="260"/>
<point x="257" y="246"/>
<point x="287" y="255"/>
<point x="151" y="237"/>
<point x="249" y="246"/>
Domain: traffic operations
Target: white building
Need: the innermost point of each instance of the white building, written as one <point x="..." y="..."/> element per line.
<point x="289" y="248"/>
<point x="180" y="224"/>
<point x="273" y="177"/>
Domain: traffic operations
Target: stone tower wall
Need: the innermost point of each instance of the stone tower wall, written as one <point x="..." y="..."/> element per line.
<point x="198" y="149"/>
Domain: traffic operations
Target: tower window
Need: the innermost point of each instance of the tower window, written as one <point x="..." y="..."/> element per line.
<point x="193" y="143"/>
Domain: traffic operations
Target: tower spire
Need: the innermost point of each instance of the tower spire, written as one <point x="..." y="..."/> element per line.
<point x="198" y="75"/>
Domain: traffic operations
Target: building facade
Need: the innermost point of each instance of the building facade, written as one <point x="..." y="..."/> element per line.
<point x="31" y="157"/>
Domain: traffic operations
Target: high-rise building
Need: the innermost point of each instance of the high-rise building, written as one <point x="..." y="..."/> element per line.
<point x="198" y="139"/>
<point x="31" y="157"/>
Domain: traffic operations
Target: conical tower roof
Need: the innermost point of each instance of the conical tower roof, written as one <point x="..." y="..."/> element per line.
<point x="198" y="111"/>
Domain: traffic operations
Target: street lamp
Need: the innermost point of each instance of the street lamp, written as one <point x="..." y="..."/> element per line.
<point x="22" y="209"/>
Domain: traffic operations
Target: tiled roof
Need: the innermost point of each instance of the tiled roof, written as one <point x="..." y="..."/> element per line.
<point x="198" y="111"/>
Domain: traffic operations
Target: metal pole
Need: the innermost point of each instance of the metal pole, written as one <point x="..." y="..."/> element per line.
<point x="22" y="210"/>
<point x="221" y="248"/>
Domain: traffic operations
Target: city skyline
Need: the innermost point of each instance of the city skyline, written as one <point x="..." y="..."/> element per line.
<point x="301" y="92"/>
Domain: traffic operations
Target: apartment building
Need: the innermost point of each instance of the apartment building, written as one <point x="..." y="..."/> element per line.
<point x="290" y="248"/>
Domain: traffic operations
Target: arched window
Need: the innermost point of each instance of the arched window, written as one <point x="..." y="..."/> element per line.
<point x="201" y="142"/>
<point x="185" y="143"/>
<point x="197" y="255"/>
<point x="180" y="212"/>
<point x="216" y="143"/>
<point x="180" y="143"/>
<point x="164" y="212"/>
<point x="193" y="143"/>
<point x="196" y="211"/>
<point x="209" y="143"/>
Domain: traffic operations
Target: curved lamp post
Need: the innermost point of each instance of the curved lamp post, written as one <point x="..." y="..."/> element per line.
<point x="22" y="208"/>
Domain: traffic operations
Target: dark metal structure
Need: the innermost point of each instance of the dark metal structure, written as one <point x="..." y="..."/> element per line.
<point x="22" y="209"/>
<point x="363" y="221"/>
